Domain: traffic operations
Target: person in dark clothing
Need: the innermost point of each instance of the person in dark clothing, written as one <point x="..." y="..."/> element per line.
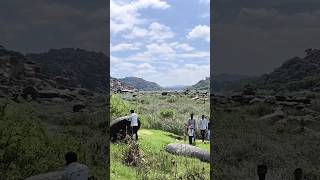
<point x="298" y="174"/>
<point x="262" y="171"/>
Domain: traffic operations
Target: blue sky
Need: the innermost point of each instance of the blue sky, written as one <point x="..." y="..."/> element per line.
<point x="166" y="42"/>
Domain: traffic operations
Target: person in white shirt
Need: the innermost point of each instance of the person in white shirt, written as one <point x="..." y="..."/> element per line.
<point x="203" y="126"/>
<point x="191" y="126"/>
<point x="75" y="170"/>
<point x="134" y="123"/>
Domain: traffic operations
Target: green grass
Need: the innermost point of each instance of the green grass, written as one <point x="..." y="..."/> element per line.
<point x="152" y="143"/>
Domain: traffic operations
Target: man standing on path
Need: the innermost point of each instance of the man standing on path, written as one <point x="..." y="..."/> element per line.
<point x="134" y="123"/>
<point x="203" y="125"/>
<point x="191" y="128"/>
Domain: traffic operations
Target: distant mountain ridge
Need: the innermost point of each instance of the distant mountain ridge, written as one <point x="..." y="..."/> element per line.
<point x="141" y="84"/>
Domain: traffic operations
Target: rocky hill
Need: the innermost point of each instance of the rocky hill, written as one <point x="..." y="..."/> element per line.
<point x="295" y="74"/>
<point x="140" y="84"/>
<point x="117" y="85"/>
<point x="21" y="76"/>
<point x="202" y="84"/>
<point x="86" y="69"/>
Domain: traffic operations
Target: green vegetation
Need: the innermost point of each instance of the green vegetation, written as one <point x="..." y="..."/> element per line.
<point x="157" y="164"/>
<point x="163" y="122"/>
<point x="29" y="146"/>
<point x="157" y="113"/>
<point x="242" y="141"/>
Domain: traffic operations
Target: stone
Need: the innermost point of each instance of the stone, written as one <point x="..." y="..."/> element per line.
<point x="30" y="91"/>
<point x="273" y="117"/>
<point x="188" y="150"/>
<point x="78" y="107"/>
<point x="118" y="128"/>
<point x="56" y="175"/>
<point x="164" y="93"/>
<point x="256" y="100"/>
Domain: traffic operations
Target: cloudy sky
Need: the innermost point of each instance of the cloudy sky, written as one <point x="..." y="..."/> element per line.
<point x="252" y="37"/>
<point x="39" y="25"/>
<point x="163" y="41"/>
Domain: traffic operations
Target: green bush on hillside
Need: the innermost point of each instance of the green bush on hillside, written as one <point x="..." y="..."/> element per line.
<point x="119" y="107"/>
<point x="167" y="113"/>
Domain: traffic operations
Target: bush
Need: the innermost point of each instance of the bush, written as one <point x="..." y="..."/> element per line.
<point x="167" y="113"/>
<point x="119" y="107"/>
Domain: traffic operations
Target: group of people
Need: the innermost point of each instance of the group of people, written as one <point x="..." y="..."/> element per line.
<point x="203" y="125"/>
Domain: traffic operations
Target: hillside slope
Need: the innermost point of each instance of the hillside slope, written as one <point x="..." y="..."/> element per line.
<point x="140" y="84"/>
<point x="84" y="68"/>
<point x="295" y="74"/>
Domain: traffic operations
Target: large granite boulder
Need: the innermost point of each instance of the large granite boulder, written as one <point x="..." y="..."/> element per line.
<point x="120" y="127"/>
<point x="56" y="175"/>
<point x="188" y="150"/>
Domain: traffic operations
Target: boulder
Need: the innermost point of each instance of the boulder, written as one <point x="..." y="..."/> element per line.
<point x="270" y="99"/>
<point x="30" y="91"/>
<point x="78" y="107"/>
<point x="273" y="117"/>
<point x="119" y="128"/>
<point x="256" y="100"/>
<point x="281" y="98"/>
<point x="188" y="150"/>
<point x="56" y="175"/>
<point x="288" y="103"/>
<point x="48" y="94"/>
<point x="164" y="93"/>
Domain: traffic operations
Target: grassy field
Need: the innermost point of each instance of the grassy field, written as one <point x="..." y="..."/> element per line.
<point x="157" y="164"/>
<point x="163" y="120"/>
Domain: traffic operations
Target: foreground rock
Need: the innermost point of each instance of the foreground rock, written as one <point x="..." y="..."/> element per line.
<point x="188" y="150"/>
<point x="57" y="175"/>
<point x="118" y="128"/>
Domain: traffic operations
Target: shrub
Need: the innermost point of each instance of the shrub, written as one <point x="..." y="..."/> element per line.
<point x="119" y="107"/>
<point x="167" y="113"/>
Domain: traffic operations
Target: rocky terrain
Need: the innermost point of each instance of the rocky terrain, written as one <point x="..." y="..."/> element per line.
<point x="141" y="84"/>
<point x="27" y="77"/>
<point x="118" y="86"/>
<point x="295" y="74"/>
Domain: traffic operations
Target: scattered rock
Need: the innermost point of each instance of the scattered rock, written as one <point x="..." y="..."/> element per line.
<point x="164" y="93"/>
<point x="256" y="100"/>
<point x="273" y="117"/>
<point x="78" y="107"/>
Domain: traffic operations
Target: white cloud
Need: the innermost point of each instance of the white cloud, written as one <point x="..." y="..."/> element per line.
<point x="125" y="15"/>
<point x="200" y="32"/>
<point x="204" y="1"/>
<point x="124" y="47"/>
<point x="159" y="32"/>
<point x="136" y="32"/>
<point x="181" y="46"/>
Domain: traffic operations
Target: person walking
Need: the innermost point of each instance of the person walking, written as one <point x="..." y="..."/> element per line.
<point x="134" y="123"/>
<point x="191" y="126"/>
<point x="203" y="126"/>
